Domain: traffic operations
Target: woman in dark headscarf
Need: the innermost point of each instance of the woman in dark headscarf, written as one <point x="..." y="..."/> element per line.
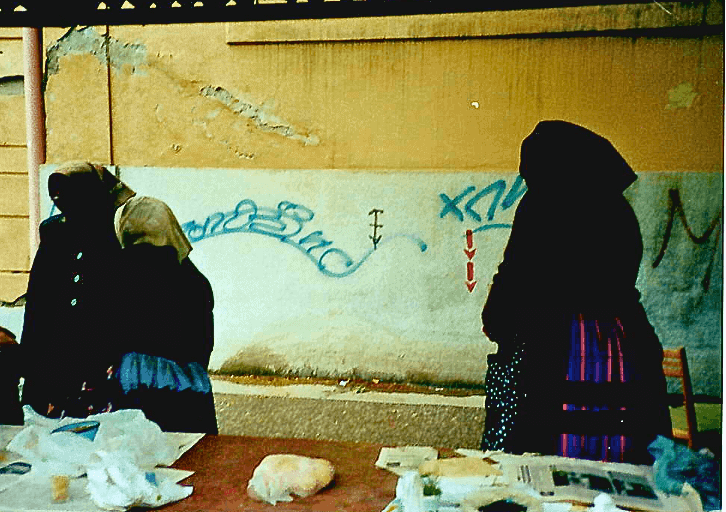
<point x="169" y="302"/>
<point x="70" y="333"/>
<point x="578" y="369"/>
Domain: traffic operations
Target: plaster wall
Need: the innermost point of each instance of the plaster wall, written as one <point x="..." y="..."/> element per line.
<point x="414" y="104"/>
<point x="212" y="96"/>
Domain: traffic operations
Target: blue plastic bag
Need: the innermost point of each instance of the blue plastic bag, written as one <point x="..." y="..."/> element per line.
<point x="675" y="465"/>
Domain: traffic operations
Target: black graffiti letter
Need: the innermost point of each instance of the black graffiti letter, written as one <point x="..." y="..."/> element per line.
<point x="675" y="207"/>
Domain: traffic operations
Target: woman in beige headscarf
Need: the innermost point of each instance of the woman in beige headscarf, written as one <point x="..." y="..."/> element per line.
<point x="168" y="302"/>
<point x="70" y="338"/>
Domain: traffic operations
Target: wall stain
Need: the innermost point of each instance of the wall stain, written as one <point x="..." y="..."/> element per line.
<point x="255" y="360"/>
<point x="675" y="209"/>
<point x="681" y="96"/>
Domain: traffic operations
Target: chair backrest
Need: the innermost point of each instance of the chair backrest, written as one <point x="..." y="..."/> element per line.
<point x="675" y="365"/>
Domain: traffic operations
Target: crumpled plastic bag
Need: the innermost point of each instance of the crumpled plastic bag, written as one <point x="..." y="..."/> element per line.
<point x="280" y="476"/>
<point x="115" y="482"/>
<point x="61" y="453"/>
<point x="65" y="453"/>
<point x="416" y="493"/>
<point x="410" y="492"/>
<point x="118" y="461"/>
<point x="675" y="465"/>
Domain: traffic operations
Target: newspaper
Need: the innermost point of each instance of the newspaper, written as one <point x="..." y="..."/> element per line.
<point x="401" y="459"/>
<point x="556" y="483"/>
<point x="581" y="481"/>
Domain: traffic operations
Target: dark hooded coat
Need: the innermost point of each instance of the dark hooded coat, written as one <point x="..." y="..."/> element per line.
<point x="575" y="248"/>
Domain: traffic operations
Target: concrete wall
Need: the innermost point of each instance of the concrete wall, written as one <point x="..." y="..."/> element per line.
<point x="436" y="96"/>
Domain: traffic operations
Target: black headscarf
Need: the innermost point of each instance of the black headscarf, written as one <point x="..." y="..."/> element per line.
<point x="563" y="156"/>
<point x="82" y="190"/>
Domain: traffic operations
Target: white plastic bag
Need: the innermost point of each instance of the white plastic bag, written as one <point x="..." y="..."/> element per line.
<point x="280" y="476"/>
<point x="118" y="461"/>
<point x="115" y="482"/>
<point x="60" y="453"/>
<point x="130" y="432"/>
<point x="65" y="453"/>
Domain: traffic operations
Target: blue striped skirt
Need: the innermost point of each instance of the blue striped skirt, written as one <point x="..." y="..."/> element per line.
<point x="596" y="356"/>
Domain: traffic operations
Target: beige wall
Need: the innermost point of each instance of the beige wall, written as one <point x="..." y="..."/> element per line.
<point x="217" y="95"/>
<point x="14" y="258"/>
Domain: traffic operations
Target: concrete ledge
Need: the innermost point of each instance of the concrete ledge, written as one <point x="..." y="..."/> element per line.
<point x="320" y="392"/>
<point x="324" y="412"/>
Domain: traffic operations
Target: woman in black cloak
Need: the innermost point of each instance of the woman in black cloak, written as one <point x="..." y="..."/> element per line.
<point x="578" y="371"/>
<point x="70" y="338"/>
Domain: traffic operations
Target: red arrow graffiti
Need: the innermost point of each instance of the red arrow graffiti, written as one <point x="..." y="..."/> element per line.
<point x="470" y="251"/>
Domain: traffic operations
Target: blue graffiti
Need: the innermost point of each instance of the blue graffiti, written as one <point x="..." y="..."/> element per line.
<point x="285" y="223"/>
<point x="498" y="188"/>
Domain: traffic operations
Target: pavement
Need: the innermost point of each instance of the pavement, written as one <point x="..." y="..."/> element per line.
<point x="340" y="413"/>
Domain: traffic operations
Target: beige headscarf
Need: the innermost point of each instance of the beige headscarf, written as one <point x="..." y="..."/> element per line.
<point x="147" y="220"/>
<point x="118" y="191"/>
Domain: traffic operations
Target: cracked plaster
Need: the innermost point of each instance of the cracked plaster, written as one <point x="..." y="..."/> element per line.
<point x="88" y="41"/>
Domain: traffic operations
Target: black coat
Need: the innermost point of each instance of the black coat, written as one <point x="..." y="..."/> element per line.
<point x="10" y="411"/>
<point x="168" y="310"/>
<point x="168" y="306"/>
<point x="563" y="257"/>
<point x="70" y="331"/>
<point x="575" y="245"/>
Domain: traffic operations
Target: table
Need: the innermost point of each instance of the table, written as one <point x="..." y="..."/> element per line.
<point x="224" y="464"/>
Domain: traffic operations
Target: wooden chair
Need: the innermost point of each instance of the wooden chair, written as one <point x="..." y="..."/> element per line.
<point x="675" y="365"/>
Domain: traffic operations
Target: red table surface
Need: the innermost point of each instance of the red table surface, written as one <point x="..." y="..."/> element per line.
<point x="224" y="464"/>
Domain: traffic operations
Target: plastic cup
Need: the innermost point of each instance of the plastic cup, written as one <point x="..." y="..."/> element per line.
<point x="59" y="488"/>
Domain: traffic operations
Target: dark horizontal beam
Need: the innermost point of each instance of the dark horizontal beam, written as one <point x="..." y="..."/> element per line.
<point x="80" y="12"/>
